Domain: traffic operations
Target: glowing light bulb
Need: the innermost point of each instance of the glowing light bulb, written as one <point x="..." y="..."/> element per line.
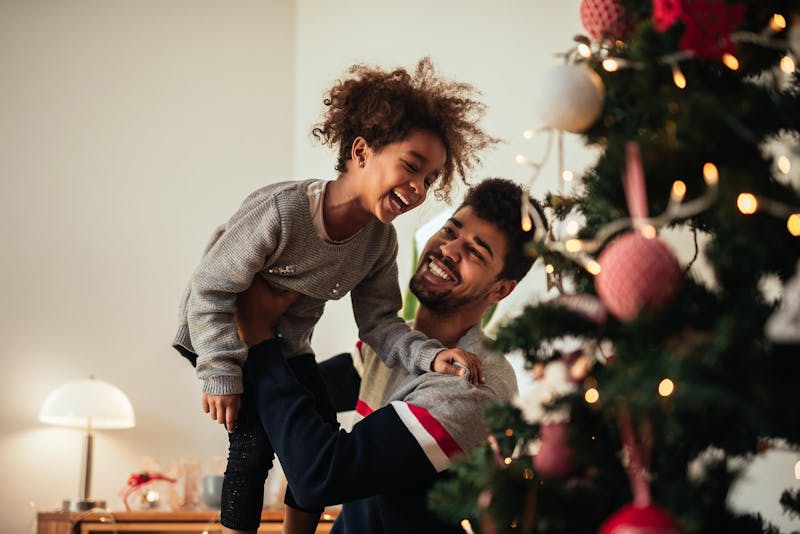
<point x="528" y="134"/>
<point x="784" y="165"/>
<point x="793" y="224"/>
<point x="710" y="174"/>
<point x="584" y="50"/>
<point x="522" y="160"/>
<point x="573" y="245"/>
<point x="747" y="203"/>
<point x="591" y="396"/>
<point x="777" y="22"/>
<point x="527" y="223"/>
<point x="611" y="65"/>
<point x="666" y="387"/>
<point x="677" y="77"/>
<point x="507" y="460"/>
<point x="573" y="227"/>
<point x="730" y="61"/>
<point x="549" y="269"/>
<point x="467" y="526"/>
<point x="678" y="191"/>
<point x="567" y="176"/>
<point x="787" y="64"/>
<point x="648" y="231"/>
<point x="593" y="268"/>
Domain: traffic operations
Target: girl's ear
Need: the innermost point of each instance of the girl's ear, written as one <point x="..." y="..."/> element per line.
<point x="501" y="290"/>
<point x="359" y="151"/>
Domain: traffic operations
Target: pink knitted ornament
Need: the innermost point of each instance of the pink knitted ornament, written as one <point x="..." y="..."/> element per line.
<point x="605" y="19"/>
<point x="637" y="272"/>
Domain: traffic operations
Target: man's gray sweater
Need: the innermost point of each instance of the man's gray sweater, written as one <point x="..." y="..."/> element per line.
<point x="273" y="235"/>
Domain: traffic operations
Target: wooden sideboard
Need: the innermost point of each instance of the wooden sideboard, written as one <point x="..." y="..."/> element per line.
<point x="155" y="522"/>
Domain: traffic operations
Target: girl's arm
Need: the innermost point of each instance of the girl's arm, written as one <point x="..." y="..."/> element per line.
<point x="228" y="268"/>
<point x="376" y="303"/>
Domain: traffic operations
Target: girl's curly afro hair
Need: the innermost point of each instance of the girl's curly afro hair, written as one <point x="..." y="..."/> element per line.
<point x="385" y="106"/>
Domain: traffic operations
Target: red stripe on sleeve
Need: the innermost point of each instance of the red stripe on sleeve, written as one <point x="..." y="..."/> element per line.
<point x="436" y="430"/>
<point x="362" y="408"/>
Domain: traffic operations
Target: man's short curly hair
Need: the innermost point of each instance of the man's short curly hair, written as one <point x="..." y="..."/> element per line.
<point x="385" y="106"/>
<point x="498" y="201"/>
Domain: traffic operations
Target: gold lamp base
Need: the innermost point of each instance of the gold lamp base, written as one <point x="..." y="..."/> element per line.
<point x="80" y="505"/>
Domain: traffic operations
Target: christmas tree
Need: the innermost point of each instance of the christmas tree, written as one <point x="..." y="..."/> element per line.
<point x="656" y="382"/>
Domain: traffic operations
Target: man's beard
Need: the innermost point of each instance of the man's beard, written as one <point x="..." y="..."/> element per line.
<point x="442" y="302"/>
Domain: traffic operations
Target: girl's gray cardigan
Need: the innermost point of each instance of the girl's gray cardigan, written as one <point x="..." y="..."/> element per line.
<point x="272" y="235"/>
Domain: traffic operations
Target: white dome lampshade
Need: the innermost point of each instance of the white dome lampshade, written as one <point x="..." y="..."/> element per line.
<point x="88" y="402"/>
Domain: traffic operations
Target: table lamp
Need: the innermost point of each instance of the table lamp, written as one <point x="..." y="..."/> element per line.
<point x="88" y="404"/>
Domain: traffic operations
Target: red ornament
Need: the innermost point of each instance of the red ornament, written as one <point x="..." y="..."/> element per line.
<point x="708" y="27"/>
<point x="649" y="519"/>
<point x="707" y="24"/>
<point x="636" y="273"/>
<point x="666" y="13"/>
<point x="605" y="19"/>
<point x="554" y="458"/>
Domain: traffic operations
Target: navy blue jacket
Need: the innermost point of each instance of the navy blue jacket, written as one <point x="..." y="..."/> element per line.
<point x="378" y="469"/>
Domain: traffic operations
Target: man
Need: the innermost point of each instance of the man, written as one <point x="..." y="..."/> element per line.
<point x="412" y="424"/>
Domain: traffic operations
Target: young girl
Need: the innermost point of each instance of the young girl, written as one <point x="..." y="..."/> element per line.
<point x="398" y="134"/>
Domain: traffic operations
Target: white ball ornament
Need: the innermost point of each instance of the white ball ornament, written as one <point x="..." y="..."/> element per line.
<point x="570" y="98"/>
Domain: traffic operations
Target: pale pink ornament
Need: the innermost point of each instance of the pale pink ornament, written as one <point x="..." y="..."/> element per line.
<point x="636" y="273"/>
<point x="584" y="304"/>
<point x="554" y="458"/>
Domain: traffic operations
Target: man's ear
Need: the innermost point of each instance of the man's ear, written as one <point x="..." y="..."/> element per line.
<point x="359" y="151"/>
<point x="501" y="289"/>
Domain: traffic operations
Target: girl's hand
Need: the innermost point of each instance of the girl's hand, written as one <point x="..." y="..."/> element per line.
<point x="258" y="310"/>
<point x="223" y="408"/>
<point x="457" y="361"/>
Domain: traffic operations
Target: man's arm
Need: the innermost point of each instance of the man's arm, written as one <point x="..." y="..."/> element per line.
<point x="324" y="465"/>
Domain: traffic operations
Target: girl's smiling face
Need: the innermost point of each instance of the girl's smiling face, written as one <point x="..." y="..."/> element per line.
<point x="398" y="176"/>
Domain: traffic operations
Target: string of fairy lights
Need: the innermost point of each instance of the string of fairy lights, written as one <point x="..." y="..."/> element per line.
<point x="579" y="250"/>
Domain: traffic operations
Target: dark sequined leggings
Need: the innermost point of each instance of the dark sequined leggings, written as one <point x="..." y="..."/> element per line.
<point x="250" y="452"/>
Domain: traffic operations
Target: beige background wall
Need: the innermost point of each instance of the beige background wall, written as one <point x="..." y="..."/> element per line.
<point x="128" y="130"/>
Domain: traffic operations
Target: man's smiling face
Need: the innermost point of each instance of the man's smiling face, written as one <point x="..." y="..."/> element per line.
<point x="460" y="264"/>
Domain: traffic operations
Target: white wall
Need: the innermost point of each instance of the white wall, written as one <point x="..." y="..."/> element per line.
<point x="128" y="130"/>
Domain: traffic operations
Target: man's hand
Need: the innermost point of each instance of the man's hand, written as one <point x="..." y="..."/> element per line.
<point x="223" y="408"/>
<point x="457" y="361"/>
<point x="258" y="310"/>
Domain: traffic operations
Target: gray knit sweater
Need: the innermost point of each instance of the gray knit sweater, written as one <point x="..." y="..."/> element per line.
<point x="443" y="412"/>
<point x="272" y="235"/>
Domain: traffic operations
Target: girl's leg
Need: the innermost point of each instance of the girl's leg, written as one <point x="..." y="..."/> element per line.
<point x="249" y="460"/>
